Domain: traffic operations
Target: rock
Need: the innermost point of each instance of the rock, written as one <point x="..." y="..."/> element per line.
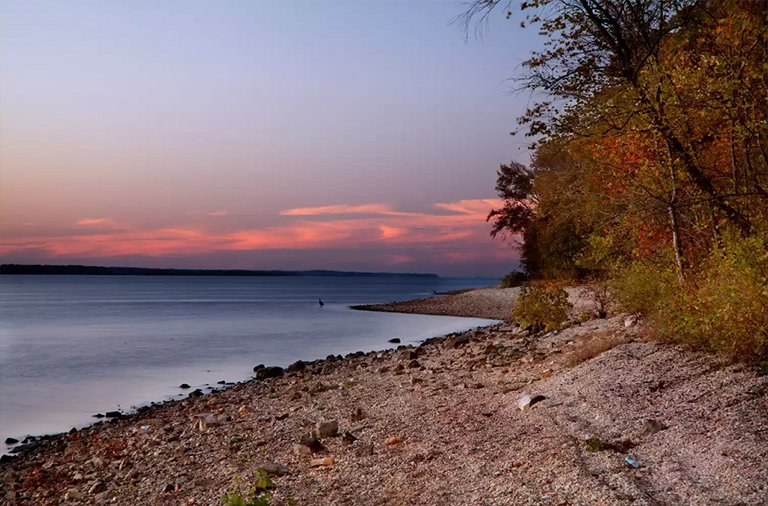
<point x="258" y="367"/>
<point x="297" y="366"/>
<point x="132" y="475"/>
<point x="398" y="368"/>
<point x="5" y="458"/>
<point x="396" y="340"/>
<point x="244" y="410"/>
<point x="393" y="440"/>
<point x="205" y="420"/>
<point x="630" y="321"/>
<point x="348" y="437"/>
<point x="409" y="355"/>
<point x="98" y="415"/>
<point x="307" y="446"/>
<point x="281" y="417"/>
<point x="273" y="469"/>
<point x="11" y="440"/>
<point x="413" y="364"/>
<point x="456" y="341"/>
<point x="651" y="426"/>
<point x="328" y="461"/>
<point x="325" y="429"/>
<point x="196" y="393"/>
<point x="74" y="495"/>
<point x="364" y="449"/>
<point x="113" y="414"/>
<point x="97" y="488"/>
<point x="222" y="382"/>
<point x="269" y="372"/>
<point x="527" y="401"/>
<point x="184" y="385"/>
<point x="356" y="415"/>
<point x="382" y="370"/>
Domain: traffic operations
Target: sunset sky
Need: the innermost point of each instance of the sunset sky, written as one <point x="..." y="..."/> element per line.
<point x="355" y="135"/>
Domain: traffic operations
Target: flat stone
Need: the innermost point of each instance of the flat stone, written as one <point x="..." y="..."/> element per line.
<point x="328" y="461"/>
<point x="456" y="341"/>
<point x="396" y="340"/>
<point x="528" y="401"/>
<point x="97" y="488"/>
<point x="74" y="495"/>
<point x="184" y="385"/>
<point x="11" y="440"/>
<point x="273" y="469"/>
<point x="325" y="429"/>
<point x="307" y="446"/>
<point x="269" y="372"/>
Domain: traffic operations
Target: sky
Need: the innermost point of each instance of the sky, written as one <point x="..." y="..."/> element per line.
<point x="350" y="135"/>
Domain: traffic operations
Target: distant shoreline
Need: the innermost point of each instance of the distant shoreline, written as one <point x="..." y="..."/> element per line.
<point x="92" y="270"/>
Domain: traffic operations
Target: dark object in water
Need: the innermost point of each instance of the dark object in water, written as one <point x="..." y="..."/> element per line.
<point x="395" y="340"/>
<point x="321" y="302"/>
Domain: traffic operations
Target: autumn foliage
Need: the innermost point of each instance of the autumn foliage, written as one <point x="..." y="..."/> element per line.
<point x="650" y="164"/>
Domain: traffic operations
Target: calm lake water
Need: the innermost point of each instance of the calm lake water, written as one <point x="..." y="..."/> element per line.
<point x="72" y="346"/>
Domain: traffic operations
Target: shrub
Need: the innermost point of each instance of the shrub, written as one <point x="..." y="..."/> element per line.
<point x="513" y="279"/>
<point x="721" y="307"/>
<point x="543" y="306"/>
<point x="725" y="307"/>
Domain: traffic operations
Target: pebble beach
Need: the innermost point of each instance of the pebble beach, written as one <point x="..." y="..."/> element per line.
<point x="597" y="414"/>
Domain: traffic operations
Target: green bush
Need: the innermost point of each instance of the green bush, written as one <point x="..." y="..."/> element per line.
<point x="543" y="306"/>
<point x="722" y="307"/>
<point x="513" y="279"/>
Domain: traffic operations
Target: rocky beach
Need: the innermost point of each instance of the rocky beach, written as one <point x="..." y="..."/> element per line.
<point x="597" y="414"/>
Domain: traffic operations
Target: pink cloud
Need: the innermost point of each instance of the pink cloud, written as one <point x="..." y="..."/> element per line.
<point x="338" y="209"/>
<point x="222" y="212"/>
<point x="460" y="235"/>
<point x="87" y="222"/>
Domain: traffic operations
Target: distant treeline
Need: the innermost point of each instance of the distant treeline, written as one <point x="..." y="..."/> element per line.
<point x="92" y="270"/>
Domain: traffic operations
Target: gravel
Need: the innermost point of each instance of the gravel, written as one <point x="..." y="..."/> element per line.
<point x="455" y="433"/>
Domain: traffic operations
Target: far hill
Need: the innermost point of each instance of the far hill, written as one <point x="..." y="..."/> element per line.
<point x="92" y="270"/>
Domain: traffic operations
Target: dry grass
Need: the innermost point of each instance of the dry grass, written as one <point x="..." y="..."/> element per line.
<point x="592" y="345"/>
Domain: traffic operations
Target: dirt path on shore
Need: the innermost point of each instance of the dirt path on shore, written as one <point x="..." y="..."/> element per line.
<point x="440" y="425"/>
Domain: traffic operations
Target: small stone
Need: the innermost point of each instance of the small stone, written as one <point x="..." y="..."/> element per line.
<point x="307" y="446"/>
<point x="74" y="495"/>
<point x="413" y="364"/>
<point x="409" y="355"/>
<point x="395" y="340"/>
<point x="274" y="469"/>
<point x="222" y="382"/>
<point x="382" y="370"/>
<point x="398" y="368"/>
<point x="297" y="366"/>
<point x="651" y="426"/>
<point x="184" y="385"/>
<point x="98" y="415"/>
<point x="328" y="461"/>
<point x="97" y="488"/>
<point x="356" y="415"/>
<point x="364" y="449"/>
<point x="348" y="437"/>
<point x="325" y="429"/>
<point x="393" y="440"/>
<point x="269" y="372"/>
<point x="282" y="416"/>
<point x="630" y="321"/>
<point x="244" y="410"/>
<point x="11" y="441"/>
<point x="114" y="414"/>
<point x="456" y="341"/>
<point x="527" y="401"/>
<point x="169" y="487"/>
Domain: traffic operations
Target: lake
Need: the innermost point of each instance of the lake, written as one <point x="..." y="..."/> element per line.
<point x="73" y="346"/>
